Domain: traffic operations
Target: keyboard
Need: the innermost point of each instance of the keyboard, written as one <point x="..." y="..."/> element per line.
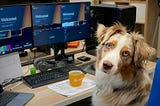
<point x="47" y="77"/>
<point x="6" y="97"/>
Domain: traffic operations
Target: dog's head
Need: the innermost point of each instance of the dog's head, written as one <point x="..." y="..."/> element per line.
<point x="121" y="52"/>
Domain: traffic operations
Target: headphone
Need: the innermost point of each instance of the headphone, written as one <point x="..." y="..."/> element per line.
<point x="44" y="65"/>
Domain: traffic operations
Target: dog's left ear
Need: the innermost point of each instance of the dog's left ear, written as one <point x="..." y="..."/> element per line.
<point x="107" y="32"/>
<point x="142" y="50"/>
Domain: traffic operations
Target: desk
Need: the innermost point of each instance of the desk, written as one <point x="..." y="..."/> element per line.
<point x="46" y="97"/>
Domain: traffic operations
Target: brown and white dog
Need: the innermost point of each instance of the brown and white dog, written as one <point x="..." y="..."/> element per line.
<point x="121" y="79"/>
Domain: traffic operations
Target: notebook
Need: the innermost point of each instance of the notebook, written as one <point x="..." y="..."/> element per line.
<point x="8" y="98"/>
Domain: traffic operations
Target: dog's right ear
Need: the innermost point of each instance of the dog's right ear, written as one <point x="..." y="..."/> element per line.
<point x="143" y="51"/>
<point x="101" y="30"/>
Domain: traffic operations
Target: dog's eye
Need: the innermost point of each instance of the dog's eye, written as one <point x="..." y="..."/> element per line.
<point x="125" y="53"/>
<point x="108" y="45"/>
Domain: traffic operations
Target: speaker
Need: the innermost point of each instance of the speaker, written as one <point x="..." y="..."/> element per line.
<point x="43" y="65"/>
<point x="108" y="14"/>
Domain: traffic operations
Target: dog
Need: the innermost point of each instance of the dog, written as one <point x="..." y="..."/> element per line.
<point x="121" y="78"/>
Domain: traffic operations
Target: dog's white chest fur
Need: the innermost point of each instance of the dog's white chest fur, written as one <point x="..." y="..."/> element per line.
<point x="105" y="84"/>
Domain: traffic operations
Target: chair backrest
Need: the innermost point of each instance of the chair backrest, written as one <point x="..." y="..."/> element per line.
<point x="154" y="98"/>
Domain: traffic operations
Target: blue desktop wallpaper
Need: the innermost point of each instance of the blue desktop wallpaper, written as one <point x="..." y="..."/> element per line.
<point x="15" y="28"/>
<point x="42" y="14"/>
<point x="56" y="23"/>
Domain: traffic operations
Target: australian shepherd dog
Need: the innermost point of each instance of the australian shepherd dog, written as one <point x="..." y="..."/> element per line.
<point x="121" y="78"/>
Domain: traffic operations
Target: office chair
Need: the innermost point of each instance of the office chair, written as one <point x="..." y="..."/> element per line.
<point x="154" y="98"/>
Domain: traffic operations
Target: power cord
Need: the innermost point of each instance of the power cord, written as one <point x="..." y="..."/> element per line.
<point x="9" y="81"/>
<point x="84" y="45"/>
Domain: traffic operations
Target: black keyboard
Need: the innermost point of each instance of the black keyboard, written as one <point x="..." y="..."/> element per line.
<point x="47" y="77"/>
<point x="6" y="97"/>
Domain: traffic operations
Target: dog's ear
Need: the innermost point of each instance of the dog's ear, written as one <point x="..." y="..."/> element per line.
<point x="101" y="30"/>
<point x="142" y="50"/>
<point x="117" y="28"/>
<point x="107" y="32"/>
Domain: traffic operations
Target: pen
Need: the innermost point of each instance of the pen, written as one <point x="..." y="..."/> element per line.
<point x="16" y="86"/>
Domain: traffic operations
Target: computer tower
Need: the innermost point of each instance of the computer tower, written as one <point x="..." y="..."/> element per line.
<point x="108" y="14"/>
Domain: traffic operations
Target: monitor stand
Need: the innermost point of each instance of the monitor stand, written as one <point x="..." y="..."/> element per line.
<point x="92" y="52"/>
<point x="23" y="53"/>
<point x="69" y="58"/>
<point x="10" y="66"/>
<point x="59" y="47"/>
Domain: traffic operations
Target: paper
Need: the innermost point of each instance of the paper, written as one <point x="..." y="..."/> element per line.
<point x="65" y="89"/>
<point x="10" y="66"/>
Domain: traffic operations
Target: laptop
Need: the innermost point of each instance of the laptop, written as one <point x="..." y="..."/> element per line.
<point x="8" y="98"/>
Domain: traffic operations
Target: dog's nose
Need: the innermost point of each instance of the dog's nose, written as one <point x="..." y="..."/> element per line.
<point x="107" y="65"/>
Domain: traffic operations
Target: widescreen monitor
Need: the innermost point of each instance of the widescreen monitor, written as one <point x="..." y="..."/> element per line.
<point x="15" y="28"/>
<point x="59" y="23"/>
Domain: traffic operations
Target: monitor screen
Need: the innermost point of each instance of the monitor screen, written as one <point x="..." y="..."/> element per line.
<point x="15" y="28"/>
<point x="62" y="22"/>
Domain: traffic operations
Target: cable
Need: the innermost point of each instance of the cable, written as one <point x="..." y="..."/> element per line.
<point x="10" y="81"/>
<point x="84" y="45"/>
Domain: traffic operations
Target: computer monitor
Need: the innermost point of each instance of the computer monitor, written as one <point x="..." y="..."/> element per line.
<point x="15" y="28"/>
<point x="61" y="22"/>
<point x="15" y="34"/>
